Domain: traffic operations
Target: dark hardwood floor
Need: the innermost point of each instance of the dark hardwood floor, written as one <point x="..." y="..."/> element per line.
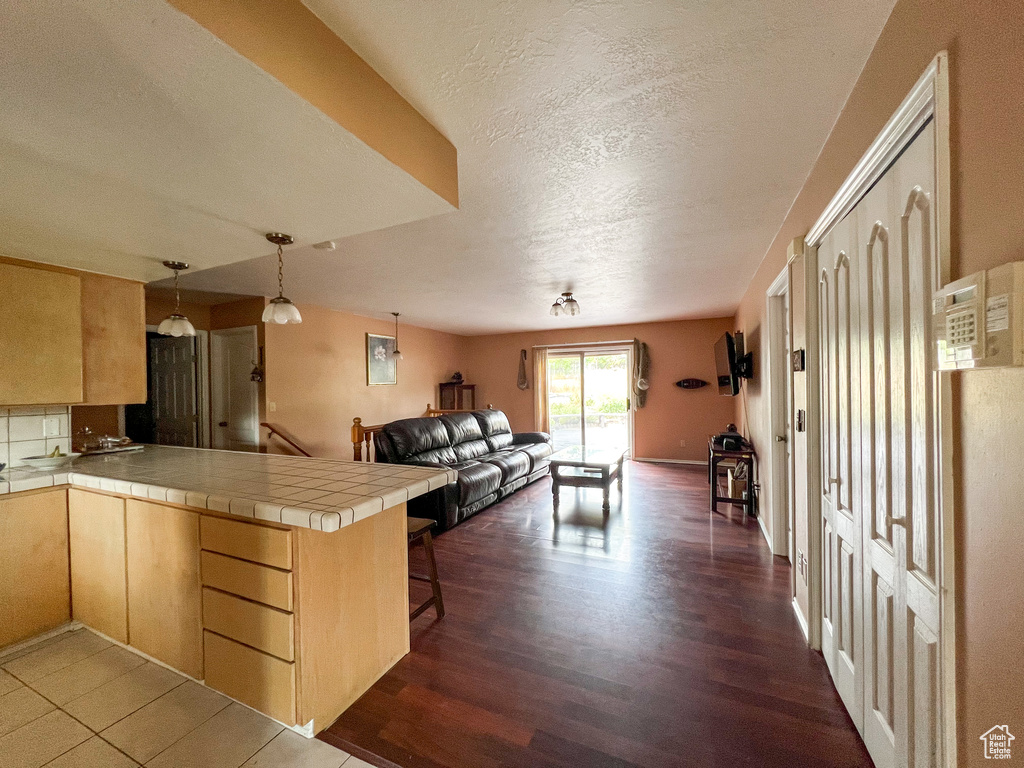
<point x="665" y="639"/>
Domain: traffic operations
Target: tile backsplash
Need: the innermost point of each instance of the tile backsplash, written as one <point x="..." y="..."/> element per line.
<point x="33" y="430"/>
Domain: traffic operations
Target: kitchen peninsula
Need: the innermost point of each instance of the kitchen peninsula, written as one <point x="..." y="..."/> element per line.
<point x="280" y="581"/>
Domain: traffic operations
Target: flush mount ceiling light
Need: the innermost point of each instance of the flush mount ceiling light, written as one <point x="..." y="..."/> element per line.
<point x="565" y="305"/>
<point x="281" y="310"/>
<point x="176" y="324"/>
<point x="396" y="354"/>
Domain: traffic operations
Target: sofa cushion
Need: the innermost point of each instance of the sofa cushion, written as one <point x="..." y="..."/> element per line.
<point x="476" y="480"/>
<point x="461" y="427"/>
<point x="420" y="440"/>
<point x="472" y="449"/>
<point x="538" y="453"/>
<point x="513" y="465"/>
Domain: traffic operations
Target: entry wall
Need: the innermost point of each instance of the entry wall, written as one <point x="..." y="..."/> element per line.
<point x="986" y="48"/>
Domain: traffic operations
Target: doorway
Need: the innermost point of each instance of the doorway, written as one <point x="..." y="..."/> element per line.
<point x="170" y="416"/>
<point x="588" y="399"/>
<point x="780" y="381"/>
<point x="234" y="395"/>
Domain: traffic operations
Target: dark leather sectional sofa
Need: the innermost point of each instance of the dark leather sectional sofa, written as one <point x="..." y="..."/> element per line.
<point x="491" y="461"/>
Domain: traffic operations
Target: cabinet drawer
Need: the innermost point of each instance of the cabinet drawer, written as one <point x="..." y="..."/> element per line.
<point x="256" y="582"/>
<point x="267" y="629"/>
<point x="259" y="543"/>
<point x="264" y="682"/>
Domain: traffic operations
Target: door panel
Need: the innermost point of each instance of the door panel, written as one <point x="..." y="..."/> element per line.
<point x="172" y="390"/>
<point x="234" y="395"/>
<point x="881" y="625"/>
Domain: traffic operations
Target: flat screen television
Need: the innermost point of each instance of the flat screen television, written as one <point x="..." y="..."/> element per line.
<point x="731" y="364"/>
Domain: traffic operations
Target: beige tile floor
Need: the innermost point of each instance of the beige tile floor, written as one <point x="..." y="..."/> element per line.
<point x="79" y="701"/>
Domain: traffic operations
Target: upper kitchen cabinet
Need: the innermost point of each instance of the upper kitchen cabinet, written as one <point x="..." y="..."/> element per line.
<point x="70" y="337"/>
<point x="114" y="340"/>
<point x="40" y="336"/>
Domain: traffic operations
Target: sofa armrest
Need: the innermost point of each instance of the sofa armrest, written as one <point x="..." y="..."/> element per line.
<point x="527" y="438"/>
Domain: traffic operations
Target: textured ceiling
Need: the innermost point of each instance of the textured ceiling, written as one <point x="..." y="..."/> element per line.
<point x="642" y="154"/>
<point x="129" y="135"/>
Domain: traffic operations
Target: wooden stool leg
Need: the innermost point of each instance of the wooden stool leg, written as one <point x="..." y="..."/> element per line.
<point x="435" y="583"/>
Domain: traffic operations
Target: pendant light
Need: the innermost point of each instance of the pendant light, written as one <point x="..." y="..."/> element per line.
<point x="176" y="324"/>
<point x="281" y="310"/>
<point x="565" y="305"/>
<point x="396" y="354"/>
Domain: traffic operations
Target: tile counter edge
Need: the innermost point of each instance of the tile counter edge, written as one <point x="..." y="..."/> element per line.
<point x="416" y="482"/>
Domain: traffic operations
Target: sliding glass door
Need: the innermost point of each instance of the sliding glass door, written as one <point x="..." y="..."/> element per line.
<point x="588" y="398"/>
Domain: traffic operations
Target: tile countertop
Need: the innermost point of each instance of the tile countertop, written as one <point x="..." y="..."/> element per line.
<point x="322" y="494"/>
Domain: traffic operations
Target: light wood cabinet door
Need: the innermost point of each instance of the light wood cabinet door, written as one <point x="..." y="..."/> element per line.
<point x="113" y="340"/>
<point x="98" y="562"/>
<point x="34" y="581"/>
<point x="41" y="343"/>
<point x="164" y="592"/>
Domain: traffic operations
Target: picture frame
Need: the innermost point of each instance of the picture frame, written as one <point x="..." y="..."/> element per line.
<point x="381" y="366"/>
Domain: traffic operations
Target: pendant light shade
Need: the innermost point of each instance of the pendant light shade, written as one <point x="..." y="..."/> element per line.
<point x="565" y="305"/>
<point x="280" y="310"/>
<point x="397" y="355"/>
<point x="176" y="324"/>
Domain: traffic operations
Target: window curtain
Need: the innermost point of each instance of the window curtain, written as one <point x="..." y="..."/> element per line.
<point x="540" y="389"/>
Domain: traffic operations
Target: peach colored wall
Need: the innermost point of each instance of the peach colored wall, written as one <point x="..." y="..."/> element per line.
<point x="316" y="377"/>
<point x="238" y="314"/>
<point x="157" y="308"/>
<point x="679" y="350"/>
<point x="986" y="47"/>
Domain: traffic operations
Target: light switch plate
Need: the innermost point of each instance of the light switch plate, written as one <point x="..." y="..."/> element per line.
<point x="51" y="427"/>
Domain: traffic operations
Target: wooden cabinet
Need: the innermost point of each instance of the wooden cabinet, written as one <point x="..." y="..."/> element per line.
<point x="456" y="396"/>
<point x="164" y="592"/>
<point x="114" y="340"/>
<point x="98" y="562"/>
<point x="35" y="592"/>
<point x="70" y="337"/>
<point x="41" y="343"/>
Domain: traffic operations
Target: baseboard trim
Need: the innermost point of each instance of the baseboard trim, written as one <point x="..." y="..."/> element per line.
<point x="24" y="645"/>
<point x="764" y="531"/>
<point x="693" y="462"/>
<point x="804" y="629"/>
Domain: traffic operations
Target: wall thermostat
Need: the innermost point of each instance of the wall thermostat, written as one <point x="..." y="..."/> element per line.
<point x="978" y="321"/>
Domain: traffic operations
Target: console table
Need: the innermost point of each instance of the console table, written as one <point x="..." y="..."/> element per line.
<point x="746" y="456"/>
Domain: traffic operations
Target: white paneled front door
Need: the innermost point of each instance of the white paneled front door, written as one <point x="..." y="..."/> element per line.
<point x="881" y="624"/>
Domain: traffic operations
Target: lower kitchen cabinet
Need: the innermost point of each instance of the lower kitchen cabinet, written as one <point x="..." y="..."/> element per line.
<point x="98" y="563"/>
<point x="164" y="592"/>
<point x="35" y="590"/>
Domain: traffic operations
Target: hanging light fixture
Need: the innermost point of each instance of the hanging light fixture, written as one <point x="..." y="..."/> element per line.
<point x="396" y="354"/>
<point x="281" y="310"/>
<point x="565" y="305"/>
<point x="176" y="324"/>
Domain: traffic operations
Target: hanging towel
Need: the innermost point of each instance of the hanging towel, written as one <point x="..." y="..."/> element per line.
<point x="523" y="383"/>
<point x="641" y="373"/>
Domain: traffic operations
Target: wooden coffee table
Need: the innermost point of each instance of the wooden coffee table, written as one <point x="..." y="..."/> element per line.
<point x="583" y="467"/>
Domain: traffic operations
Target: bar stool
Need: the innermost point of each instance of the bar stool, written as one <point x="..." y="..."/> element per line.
<point x="419" y="530"/>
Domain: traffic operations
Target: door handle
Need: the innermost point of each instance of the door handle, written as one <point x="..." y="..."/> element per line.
<point x="896" y="520"/>
<point x="780" y="438"/>
<point x="222" y="424"/>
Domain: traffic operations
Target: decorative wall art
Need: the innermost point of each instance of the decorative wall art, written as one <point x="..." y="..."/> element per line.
<point x="381" y="366"/>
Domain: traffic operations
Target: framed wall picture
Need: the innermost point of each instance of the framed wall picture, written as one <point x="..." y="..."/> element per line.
<point x="381" y="366"/>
